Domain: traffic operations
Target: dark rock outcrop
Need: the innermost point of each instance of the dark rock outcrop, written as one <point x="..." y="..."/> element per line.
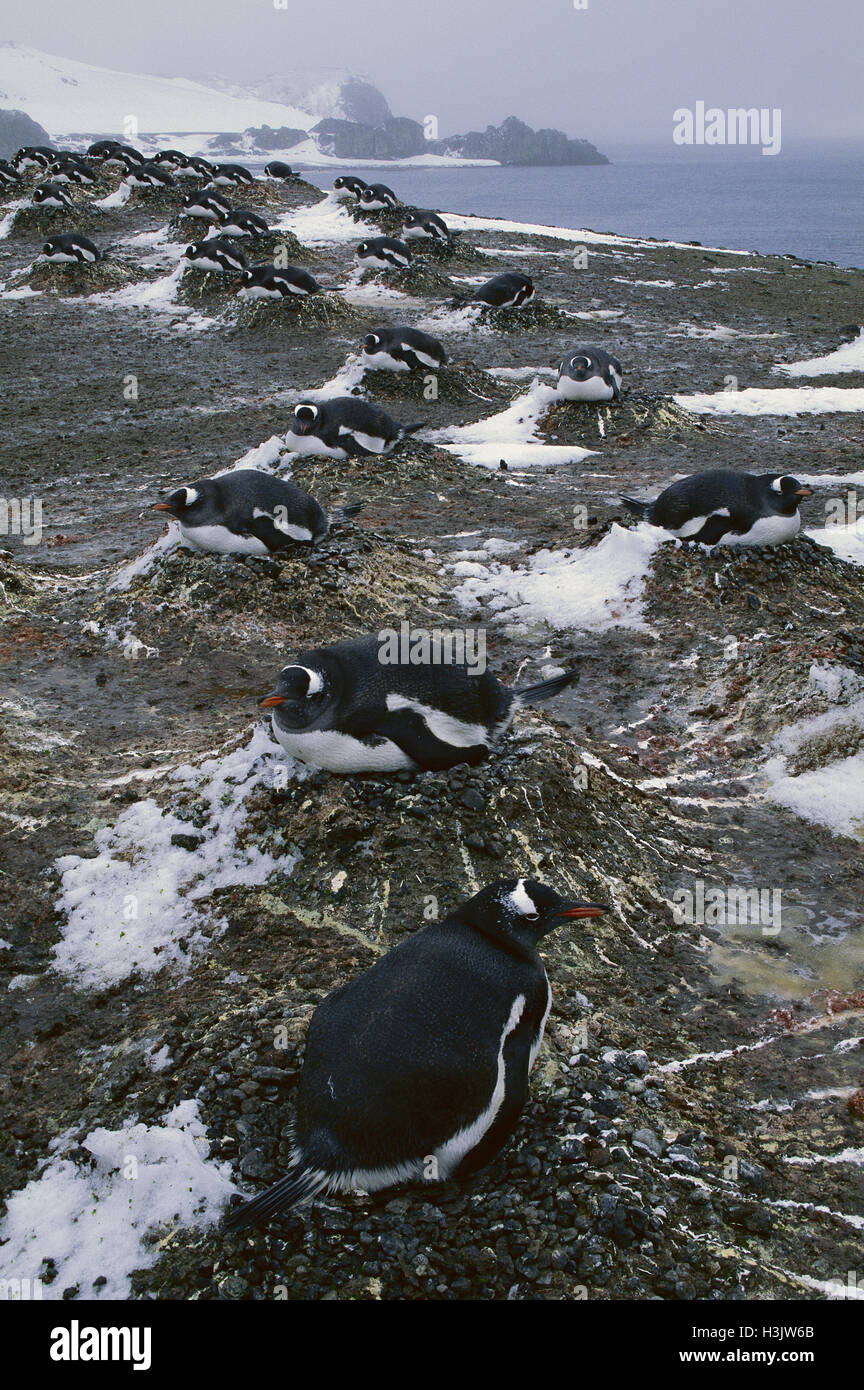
<point x="397" y="138"/>
<point x="17" y="129"/>
<point x="514" y="142"/>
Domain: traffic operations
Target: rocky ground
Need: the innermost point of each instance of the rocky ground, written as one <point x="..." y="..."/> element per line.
<point x="685" y="1064"/>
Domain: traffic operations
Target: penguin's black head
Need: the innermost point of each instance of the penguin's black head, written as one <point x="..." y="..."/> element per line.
<point x="181" y="502"/>
<point x="300" y="695"/>
<point x="580" y="367"/>
<point x="371" y="342"/>
<point x="523" y="906"/>
<point x="363" y="249"/>
<point x="785" y="492"/>
<point x="305" y="417"/>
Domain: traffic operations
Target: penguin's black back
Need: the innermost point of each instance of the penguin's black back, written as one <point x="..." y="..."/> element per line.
<point x="366" y="682"/>
<point x="700" y="494"/>
<point x="237" y="494"/>
<point x="405" y="1056"/>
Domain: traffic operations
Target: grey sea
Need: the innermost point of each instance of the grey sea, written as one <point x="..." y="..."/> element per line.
<point x="808" y="203"/>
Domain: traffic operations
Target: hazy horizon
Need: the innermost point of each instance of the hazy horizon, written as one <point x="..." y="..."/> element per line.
<point x="598" y="73"/>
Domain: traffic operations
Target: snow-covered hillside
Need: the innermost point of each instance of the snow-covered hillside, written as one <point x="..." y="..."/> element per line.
<point x="66" y="96"/>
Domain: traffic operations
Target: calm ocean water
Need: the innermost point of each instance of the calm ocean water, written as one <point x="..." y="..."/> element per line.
<point x="809" y="204"/>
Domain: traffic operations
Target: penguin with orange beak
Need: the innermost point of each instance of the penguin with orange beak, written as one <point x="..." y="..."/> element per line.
<point x="418" y="1069"/>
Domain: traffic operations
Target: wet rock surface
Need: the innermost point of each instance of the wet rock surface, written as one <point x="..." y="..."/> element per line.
<point x="686" y="1064"/>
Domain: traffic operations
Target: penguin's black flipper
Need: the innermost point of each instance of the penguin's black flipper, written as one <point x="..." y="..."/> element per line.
<point x="532" y="694"/>
<point x="715" y="528"/>
<point x="410" y="732"/>
<point x="294" y="1190"/>
<point x="635" y="506"/>
<point x="265" y="529"/>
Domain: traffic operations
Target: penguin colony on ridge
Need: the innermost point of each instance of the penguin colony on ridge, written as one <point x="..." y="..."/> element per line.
<point x="426" y="1055"/>
<point x="362" y="1090"/>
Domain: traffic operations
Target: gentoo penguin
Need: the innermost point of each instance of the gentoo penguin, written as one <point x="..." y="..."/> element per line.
<point x="376" y="196"/>
<point x="169" y="159"/>
<point x="193" y="167"/>
<point x="277" y="169"/>
<point x="206" y="203"/>
<point x="507" y="291"/>
<point x="425" y="225"/>
<point x="247" y="512"/>
<point x="345" y="427"/>
<point x="34" y="157"/>
<point x="217" y="253"/>
<point x="104" y="149"/>
<point x="72" y="170"/>
<point x="71" y="246"/>
<point x="721" y="507"/>
<point x="276" y="282"/>
<point x="347" y="183"/>
<point x="362" y="706"/>
<point x="419" y="1068"/>
<point x="124" y="154"/>
<point x="51" y="195"/>
<point x="384" y="253"/>
<point x="9" y="176"/>
<point x="150" y="175"/>
<point x="589" y="374"/>
<point x="230" y="175"/>
<point x="402" y="349"/>
<point x="243" y="222"/>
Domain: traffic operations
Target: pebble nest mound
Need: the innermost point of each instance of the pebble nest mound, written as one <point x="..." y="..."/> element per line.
<point x="457" y="250"/>
<point x="325" y="310"/>
<point x="352" y="581"/>
<point x="213" y="288"/>
<point x="537" y="314"/>
<point x="417" y="279"/>
<point x="45" y="222"/>
<point x="69" y="279"/>
<point x="622" y="422"/>
<point x="456" y="382"/>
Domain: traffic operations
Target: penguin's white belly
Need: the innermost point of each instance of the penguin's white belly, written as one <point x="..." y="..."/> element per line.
<point x="458" y="733"/>
<point x="451" y="1153"/>
<point x="383" y="362"/>
<point x="204" y="263"/>
<point x="61" y="257"/>
<point x="378" y="262"/>
<point x="258" y="292"/>
<point x="310" y="445"/>
<point x="337" y="752"/>
<point x="768" y="530"/>
<point x="416" y="234"/>
<point x="220" y="541"/>
<point x="595" y="389"/>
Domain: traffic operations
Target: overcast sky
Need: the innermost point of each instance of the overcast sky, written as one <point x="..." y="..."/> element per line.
<point x="612" y="73"/>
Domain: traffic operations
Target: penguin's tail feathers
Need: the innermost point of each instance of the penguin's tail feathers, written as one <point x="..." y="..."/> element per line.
<point x="345" y="513"/>
<point x="535" y="694"/>
<point x="298" y="1187"/>
<point x="635" y="506"/>
<point x="412" y="429"/>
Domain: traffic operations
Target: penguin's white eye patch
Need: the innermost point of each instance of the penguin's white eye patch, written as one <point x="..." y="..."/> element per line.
<point x="191" y="495"/>
<point x="522" y="902"/>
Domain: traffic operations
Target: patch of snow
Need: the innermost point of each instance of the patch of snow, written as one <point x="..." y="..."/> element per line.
<point x="590" y="589"/>
<point x="127" y="908"/>
<point x="510" y="435"/>
<point x="848" y="358"/>
<point x="801" y="400"/>
<point x="92" y="1221"/>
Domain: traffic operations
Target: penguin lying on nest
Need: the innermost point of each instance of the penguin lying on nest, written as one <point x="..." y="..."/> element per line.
<point x="349" y="708"/>
<point x="721" y="507"/>
<point x="419" y="1068"/>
